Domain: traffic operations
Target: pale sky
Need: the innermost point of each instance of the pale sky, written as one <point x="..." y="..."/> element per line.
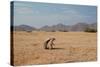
<point x="41" y="14"/>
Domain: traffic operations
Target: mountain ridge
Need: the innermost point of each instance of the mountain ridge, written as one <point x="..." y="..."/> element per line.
<point x="57" y="27"/>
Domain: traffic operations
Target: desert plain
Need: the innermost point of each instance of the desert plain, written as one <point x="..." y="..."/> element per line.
<point x="69" y="47"/>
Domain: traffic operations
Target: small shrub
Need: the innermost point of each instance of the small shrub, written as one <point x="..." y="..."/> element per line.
<point x="63" y="30"/>
<point x="28" y="31"/>
<point x="53" y="31"/>
<point x="90" y="30"/>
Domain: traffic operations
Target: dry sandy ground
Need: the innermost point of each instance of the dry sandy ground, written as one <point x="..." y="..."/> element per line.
<point x="69" y="47"/>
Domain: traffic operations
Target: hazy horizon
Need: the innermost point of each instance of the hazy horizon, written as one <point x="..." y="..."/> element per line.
<point x="41" y="14"/>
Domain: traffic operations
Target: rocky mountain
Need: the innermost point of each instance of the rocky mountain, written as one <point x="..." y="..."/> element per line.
<point x="79" y="27"/>
<point x="45" y="28"/>
<point x="93" y="25"/>
<point x="58" y="27"/>
<point x="24" y="28"/>
<point x="76" y="27"/>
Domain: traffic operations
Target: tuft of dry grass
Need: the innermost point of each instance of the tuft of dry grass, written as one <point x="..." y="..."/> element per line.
<point x="69" y="47"/>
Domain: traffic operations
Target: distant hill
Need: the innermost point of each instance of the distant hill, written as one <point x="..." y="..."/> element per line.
<point x="79" y="27"/>
<point x="24" y="28"/>
<point x="45" y="28"/>
<point x="93" y="25"/>
<point x="58" y="27"/>
<point x="76" y="27"/>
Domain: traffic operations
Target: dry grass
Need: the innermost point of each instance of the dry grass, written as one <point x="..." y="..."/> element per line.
<point x="69" y="47"/>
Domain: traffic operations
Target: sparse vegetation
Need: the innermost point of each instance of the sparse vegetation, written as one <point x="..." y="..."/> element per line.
<point x="52" y="31"/>
<point x="63" y="30"/>
<point x="90" y="30"/>
<point x="29" y="31"/>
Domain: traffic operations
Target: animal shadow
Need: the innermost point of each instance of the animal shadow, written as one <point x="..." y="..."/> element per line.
<point x="57" y="48"/>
